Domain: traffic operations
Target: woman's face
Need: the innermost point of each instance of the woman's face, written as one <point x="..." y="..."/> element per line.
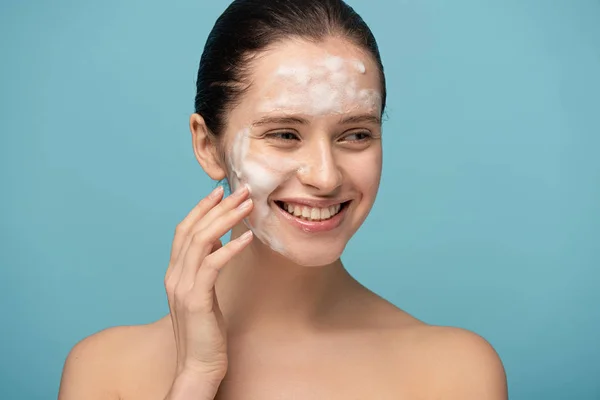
<point x="306" y="139"/>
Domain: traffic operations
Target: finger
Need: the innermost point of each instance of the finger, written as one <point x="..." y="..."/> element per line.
<point x="202" y="243"/>
<point x="182" y="232"/>
<point x="228" y="204"/>
<point x="206" y="276"/>
<point x="193" y="216"/>
<point x="171" y="275"/>
<point x="225" y="205"/>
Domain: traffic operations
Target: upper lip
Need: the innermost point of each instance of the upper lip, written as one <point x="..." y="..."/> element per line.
<point x="314" y="203"/>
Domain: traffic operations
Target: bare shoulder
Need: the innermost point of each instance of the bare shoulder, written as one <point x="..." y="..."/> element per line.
<point x="445" y="362"/>
<point x="103" y="365"/>
<point x="459" y="364"/>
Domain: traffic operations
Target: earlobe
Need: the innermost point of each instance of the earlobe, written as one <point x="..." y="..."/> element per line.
<point x="205" y="148"/>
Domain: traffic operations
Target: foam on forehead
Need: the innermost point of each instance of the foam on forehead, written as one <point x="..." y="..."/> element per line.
<point x="326" y="86"/>
<point x="331" y="85"/>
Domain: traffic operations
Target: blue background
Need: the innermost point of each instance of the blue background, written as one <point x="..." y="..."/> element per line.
<point x="488" y="216"/>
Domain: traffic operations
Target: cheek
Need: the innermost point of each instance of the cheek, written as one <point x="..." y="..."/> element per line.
<point x="261" y="180"/>
<point x="264" y="175"/>
<point x="248" y="166"/>
<point x="364" y="171"/>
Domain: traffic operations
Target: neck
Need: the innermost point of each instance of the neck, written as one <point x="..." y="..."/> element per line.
<point x="262" y="291"/>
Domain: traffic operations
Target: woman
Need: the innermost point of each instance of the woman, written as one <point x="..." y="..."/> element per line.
<point x="290" y="95"/>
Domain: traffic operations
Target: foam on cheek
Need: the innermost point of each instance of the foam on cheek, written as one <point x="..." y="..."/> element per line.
<point x="262" y="175"/>
<point x="329" y="86"/>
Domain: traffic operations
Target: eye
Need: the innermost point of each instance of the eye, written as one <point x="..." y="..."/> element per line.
<point x="360" y="136"/>
<point x="283" y="136"/>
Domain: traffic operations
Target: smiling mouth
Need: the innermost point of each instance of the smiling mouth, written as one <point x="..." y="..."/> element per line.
<point x="312" y="213"/>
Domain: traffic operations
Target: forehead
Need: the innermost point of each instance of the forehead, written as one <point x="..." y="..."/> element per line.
<point x="333" y="54"/>
<point x="298" y="76"/>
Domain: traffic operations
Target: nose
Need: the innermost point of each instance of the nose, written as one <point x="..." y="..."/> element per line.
<point x="320" y="170"/>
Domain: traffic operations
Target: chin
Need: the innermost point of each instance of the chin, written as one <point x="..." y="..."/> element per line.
<point x="314" y="255"/>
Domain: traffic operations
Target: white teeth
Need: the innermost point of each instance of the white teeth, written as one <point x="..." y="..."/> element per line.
<point x="312" y="213"/>
<point x="306" y="212"/>
<point x="315" y="213"/>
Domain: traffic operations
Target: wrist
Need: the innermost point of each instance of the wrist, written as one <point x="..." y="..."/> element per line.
<point x="190" y="385"/>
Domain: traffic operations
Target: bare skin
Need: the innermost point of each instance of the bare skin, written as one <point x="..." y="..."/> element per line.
<point x="391" y="356"/>
<point x="363" y="347"/>
<point x="247" y="323"/>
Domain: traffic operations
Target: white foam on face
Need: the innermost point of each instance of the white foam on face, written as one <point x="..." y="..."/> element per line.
<point x="328" y="86"/>
<point x="262" y="175"/>
<point x="360" y="67"/>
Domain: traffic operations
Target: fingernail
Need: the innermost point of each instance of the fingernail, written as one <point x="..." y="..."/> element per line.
<point x="246" y="236"/>
<point x="245" y="205"/>
<point x="217" y="192"/>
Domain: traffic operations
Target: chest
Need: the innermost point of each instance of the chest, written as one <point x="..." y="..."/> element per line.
<point x="356" y="369"/>
<point x="319" y="383"/>
<point x="303" y="371"/>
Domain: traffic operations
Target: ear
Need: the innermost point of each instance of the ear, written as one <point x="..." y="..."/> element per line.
<point x="205" y="148"/>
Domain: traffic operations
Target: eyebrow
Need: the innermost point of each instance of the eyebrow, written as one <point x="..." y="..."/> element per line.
<point x="353" y="119"/>
<point x="279" y="121"/>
